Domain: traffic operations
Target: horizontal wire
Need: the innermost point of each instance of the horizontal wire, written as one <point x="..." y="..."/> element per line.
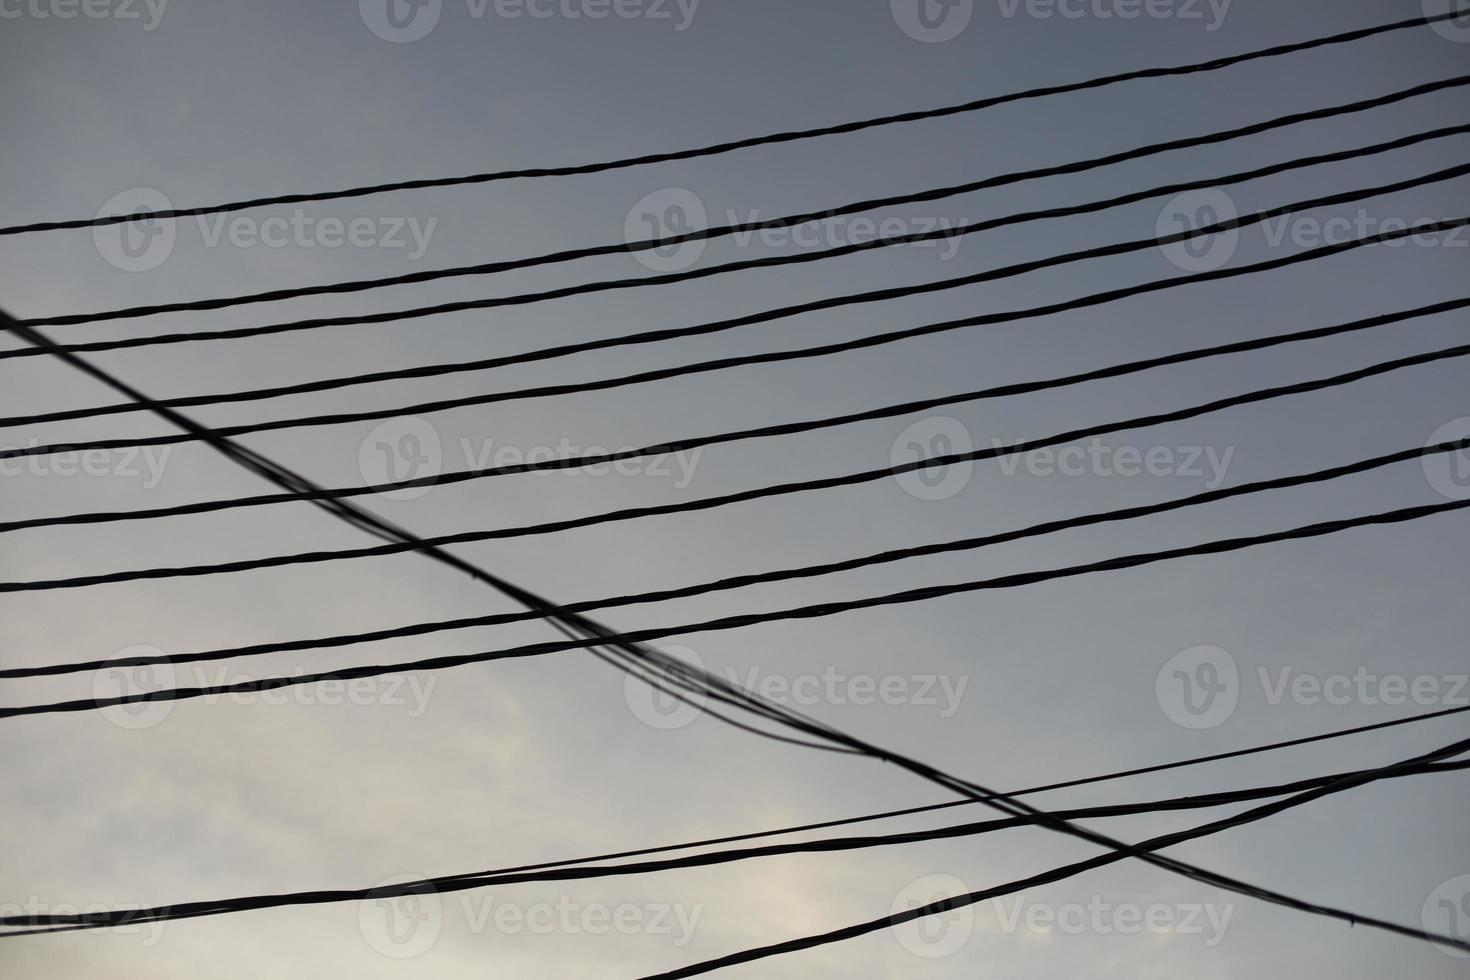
<point x="759" y="578"/>
<point x="581" y="869"/>
<point x="741" y="496"/>
<point x="440" y="370"/>
<point x="788" y="221"/>
<point x="1214" y="64"/>
<point x="815" y="611"/>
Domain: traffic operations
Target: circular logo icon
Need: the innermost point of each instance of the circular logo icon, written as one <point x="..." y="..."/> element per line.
<point x="657" y="708"/>
<point x="1457" y="28"/>
<point x="667" y="213"/>
<point x="938" y="934"/>
<point x="143" y="243"/>
<point x="1198" y="687"/>
<point x="1189" y="212"/>
<point x="932" y="438"/>
<point x="933" y="21"/>
<point x="401" y="926"/>
<point x="1447" y="912"/>
<point x="110" y="682"/>
<point x="400" y="451"/>
<point x="400" y="21"/>
<point x="1449" y="473"/>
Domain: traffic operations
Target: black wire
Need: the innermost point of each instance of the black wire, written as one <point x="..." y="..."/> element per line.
<point x="898" y="292"/>
<point x="1071" y="870"/>
<point x="598" y="635"/>
<point x="755" y="578"/>
<point x="761" y="432"/>
<point x="581" y="869"/>
<point x="815" y="611"/>
<point x="782" y="137"/>
<point x="439" y="370"/>
<point x="654" y="336"/>
<point x="932" y="194"/>
<point x="741" y="496"/>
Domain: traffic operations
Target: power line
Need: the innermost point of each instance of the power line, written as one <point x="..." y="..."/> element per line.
<point x="741" y="496"/>
<point x="932" y="194"/>
<point x="899" y="292"/>
<point x="757" y="578"/>
<point x="761" y="432"/>
<point x="814" y="611"/>
<point x="438" y="370"/>
<point x="581" y="869"/>
<point x="654" y="336"/>
<point x="1071" y="870"/>
<point x="727" y="147"/>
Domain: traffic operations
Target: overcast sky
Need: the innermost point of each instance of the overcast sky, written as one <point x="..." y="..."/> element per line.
<point x="197" y="101"/>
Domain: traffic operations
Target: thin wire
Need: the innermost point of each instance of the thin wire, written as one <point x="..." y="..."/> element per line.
<point x="788" y="221"/>
<point x="773" y="138"/>
<point x="741" y="496"/>
<point x="756" y="578"/>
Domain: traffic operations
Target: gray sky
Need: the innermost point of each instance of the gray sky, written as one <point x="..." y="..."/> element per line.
<point x="547" y="758"/>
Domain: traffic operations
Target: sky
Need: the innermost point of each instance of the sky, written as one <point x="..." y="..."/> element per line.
<point x="114" y="105"/>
